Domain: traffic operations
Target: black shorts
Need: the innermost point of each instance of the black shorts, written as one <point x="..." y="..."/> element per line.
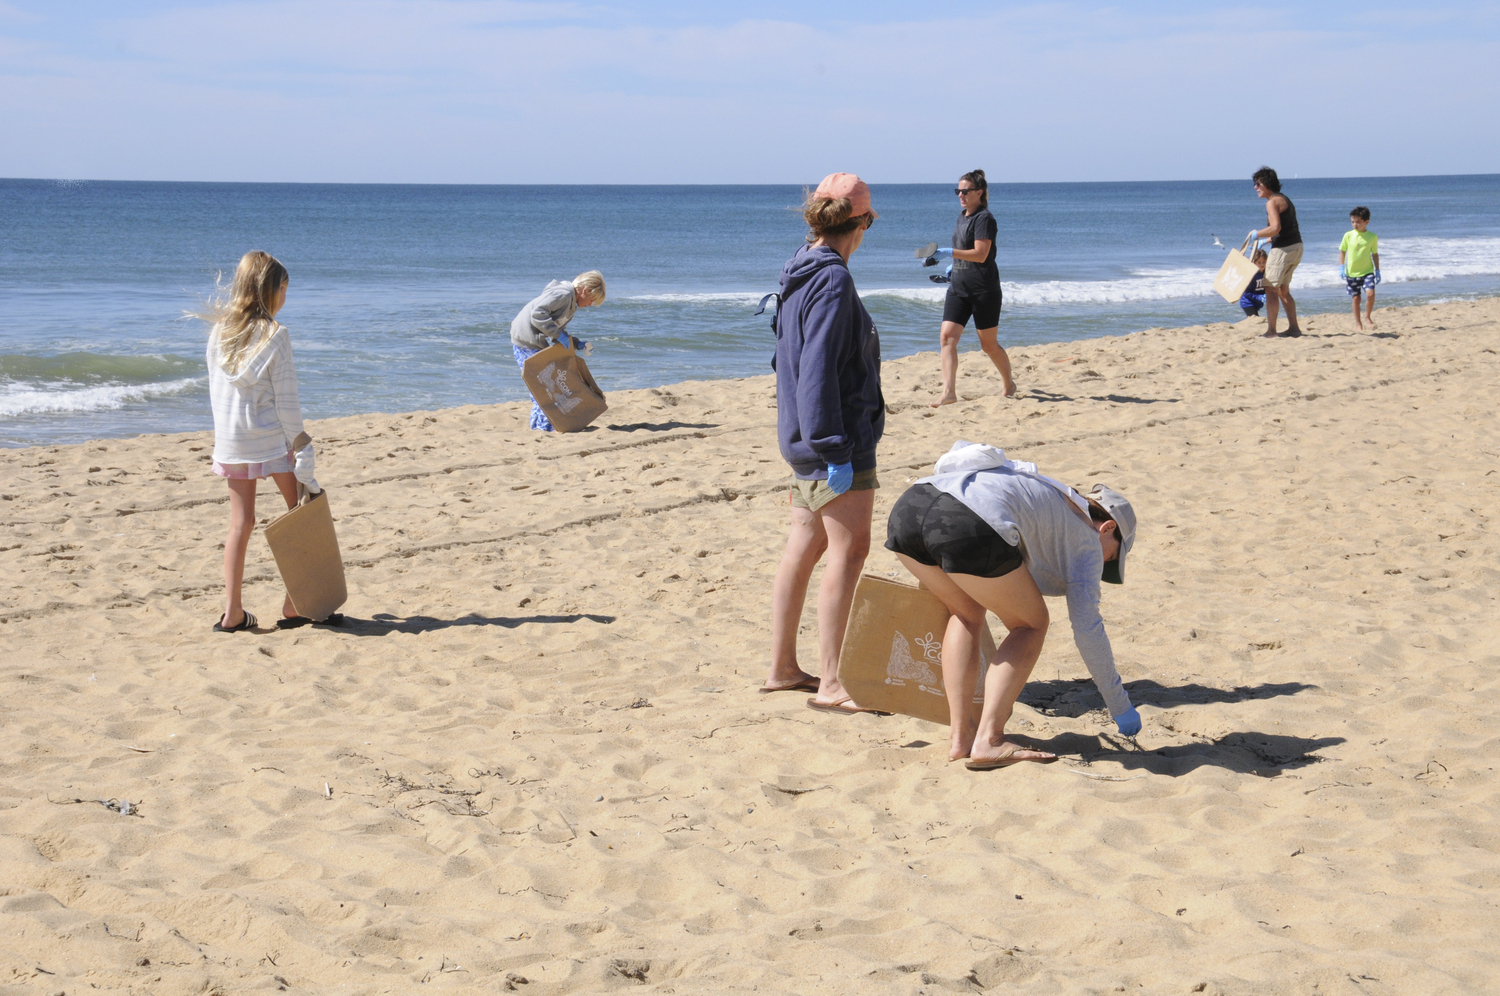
<point x="983" y="306"/>
<point x="940" y="531"/>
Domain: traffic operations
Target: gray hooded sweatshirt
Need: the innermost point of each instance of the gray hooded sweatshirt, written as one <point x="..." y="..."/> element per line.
<point x="542" y="320"/>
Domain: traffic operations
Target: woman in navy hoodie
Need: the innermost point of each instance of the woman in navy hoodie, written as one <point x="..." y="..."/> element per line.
<point x="830" y="415"/>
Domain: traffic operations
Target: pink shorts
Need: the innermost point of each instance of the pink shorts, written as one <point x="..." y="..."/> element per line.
<point x="256" y="471"/>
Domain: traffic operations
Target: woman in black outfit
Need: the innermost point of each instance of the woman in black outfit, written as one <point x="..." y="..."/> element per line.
<point x="974" y="291"/>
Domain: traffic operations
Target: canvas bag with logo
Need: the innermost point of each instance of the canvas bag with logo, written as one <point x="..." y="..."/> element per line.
<point x="560" y="382"/>
<point x="892" y="654"/>
<point x="1235" y="275"/>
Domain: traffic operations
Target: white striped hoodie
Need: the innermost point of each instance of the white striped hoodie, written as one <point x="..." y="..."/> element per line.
<point x="256" y="412"/>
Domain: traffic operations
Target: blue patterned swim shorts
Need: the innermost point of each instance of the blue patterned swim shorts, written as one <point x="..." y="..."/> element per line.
<point x="1357" y="284"/>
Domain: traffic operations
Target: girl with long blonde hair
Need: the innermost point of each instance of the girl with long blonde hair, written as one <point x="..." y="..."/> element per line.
<point x="258" y="429"/>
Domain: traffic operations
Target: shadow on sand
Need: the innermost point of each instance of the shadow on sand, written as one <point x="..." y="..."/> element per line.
<point x="1251" y="753"/>
<point x="1072" y="697"/>
<point x="661" y="426"/>
<point x="384" y="623"/>
<point x="1122" y="399"/>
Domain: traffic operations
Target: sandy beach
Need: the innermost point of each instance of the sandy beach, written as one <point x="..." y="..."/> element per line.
<point x="534" y="760"/>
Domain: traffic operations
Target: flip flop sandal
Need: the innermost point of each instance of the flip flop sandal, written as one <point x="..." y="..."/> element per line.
<point x="1006" y="760"/>
<point x="247" y="623"/>
<point x="805" y="685"/>
<point x="838" y="707"/>
<point x="293" y="622"/>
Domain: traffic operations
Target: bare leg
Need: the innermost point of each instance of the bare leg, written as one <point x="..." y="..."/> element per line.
<point x="1370" y="307"/>
<point x="960" y="654"/>
<point x="1018" y="603"/>
<point x="989" y="341"/>
<point x="1354" y="301"/>
<point x="1285" y="292"/>
<point x="846" y="522"/>
<point x="287" y="485"/>
<point x="948" y="351"/>
<point x="241" y="525"/>
<point x="1273" y="302"/>
<point x="805" y="544"/>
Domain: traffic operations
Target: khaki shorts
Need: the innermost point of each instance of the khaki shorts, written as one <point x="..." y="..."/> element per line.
<point x="1281" y="264"/>
<point x="813" y="495"/>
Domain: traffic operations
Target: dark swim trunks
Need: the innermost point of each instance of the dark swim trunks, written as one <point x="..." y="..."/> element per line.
<point x="940" y="531"/>
<point x="983" y="306"/>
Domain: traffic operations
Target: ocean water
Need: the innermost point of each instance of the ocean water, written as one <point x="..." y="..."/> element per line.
<point x="401" y="296"/>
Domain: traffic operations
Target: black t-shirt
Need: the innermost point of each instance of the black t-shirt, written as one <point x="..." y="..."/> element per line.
<point x="972" y="228"/>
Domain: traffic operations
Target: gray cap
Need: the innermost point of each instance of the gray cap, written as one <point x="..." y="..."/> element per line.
<point x="1119" y="509"/>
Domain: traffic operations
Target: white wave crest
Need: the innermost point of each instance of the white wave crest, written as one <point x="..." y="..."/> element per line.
<point x="1403" y="259"/>
<point x="729" y="297"/>
<point x="27" y="399"/>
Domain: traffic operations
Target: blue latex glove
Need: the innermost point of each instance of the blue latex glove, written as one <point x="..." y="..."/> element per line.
<point x="1343" y="272"/>
<point x="840" y="477"/>
<point x="1254" y="235"/>
<point x="943" y="252"/>
<point x="1129" y="722"/>
<point x="1377" y="276"/>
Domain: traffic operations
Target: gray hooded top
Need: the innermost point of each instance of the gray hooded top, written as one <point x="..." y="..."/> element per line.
<point x="1060" y="548"/>
<point x="542" y="320"/>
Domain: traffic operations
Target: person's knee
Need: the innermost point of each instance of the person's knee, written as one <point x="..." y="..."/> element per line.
<point x="855" y="549"/>
<point x="950" y="334"/>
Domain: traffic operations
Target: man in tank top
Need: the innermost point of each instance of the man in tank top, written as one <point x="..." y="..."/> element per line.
<point x="1286" y="250"/>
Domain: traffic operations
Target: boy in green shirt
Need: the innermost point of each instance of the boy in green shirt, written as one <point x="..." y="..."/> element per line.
<point x="1359" y="264"/>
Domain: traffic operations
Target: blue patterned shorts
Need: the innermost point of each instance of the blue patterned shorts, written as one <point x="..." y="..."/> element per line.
<point x="1357" y="284"/>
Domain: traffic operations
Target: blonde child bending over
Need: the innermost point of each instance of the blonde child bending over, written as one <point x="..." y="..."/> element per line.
<point x="544" y="319"/>
<point x="258" y="430"/>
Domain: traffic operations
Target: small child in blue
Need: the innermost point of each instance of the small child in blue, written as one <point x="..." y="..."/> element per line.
<point x="1359" y="264"/>
<point x="1254" y="297"/>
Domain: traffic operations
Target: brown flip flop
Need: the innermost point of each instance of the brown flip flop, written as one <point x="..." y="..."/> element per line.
<point x="838" y="707"/>
<point x="805" y="685"/>
<point x="1007" y="759"/>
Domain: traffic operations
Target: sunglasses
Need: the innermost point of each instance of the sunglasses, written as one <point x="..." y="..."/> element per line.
<point x="960" y="191"/>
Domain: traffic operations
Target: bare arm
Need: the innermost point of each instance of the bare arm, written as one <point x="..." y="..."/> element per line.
<point x="978" y="254"/>
<point x="1273" y="221"/>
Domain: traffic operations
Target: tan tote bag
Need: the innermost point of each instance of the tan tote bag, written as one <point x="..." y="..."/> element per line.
<point x="307" y="554"/>
<point x="892" y="654"/>
<point x="559" y="380"/>
<point x="1235" y="275"/>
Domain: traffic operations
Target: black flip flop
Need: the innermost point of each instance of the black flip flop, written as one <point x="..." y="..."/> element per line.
<point x="246" y="624"/>
<point x="335" y="620"/>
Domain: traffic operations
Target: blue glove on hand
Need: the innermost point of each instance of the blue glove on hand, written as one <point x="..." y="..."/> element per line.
<point x="1129" y="722"/>
<point x="1254" y="235"/>
<point x="840" y="477"/>
<point x="1377" y="276"/>
<point x="1343" y="272"/>
<point x="943" y="252"/>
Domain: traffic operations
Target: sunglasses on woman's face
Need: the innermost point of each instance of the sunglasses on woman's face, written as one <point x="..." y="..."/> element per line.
<point x="869" y="220"/>
<point x="960" y="191"/>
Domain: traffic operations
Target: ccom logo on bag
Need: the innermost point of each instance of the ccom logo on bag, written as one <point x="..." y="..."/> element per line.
<point x="904" y="667"/>
<point x="556" y="383"/>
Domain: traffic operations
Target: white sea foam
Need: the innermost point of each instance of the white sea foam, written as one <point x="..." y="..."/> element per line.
<point x="1143" y="285"/>
<point x="34" y="398"/>
<point x="1402" y="259"/>
<point x="728" y="297"/>
<point x="1421" y="258"/>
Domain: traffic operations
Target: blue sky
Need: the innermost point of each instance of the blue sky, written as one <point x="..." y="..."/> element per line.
<point x="486" y="91"/>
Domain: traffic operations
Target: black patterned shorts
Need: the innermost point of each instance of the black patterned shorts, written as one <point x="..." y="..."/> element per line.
<point x="940" y="531"/>
<point x="1357" y="285"/>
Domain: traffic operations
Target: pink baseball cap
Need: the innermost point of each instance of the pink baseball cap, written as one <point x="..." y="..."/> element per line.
<point x="837" y="185"/>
